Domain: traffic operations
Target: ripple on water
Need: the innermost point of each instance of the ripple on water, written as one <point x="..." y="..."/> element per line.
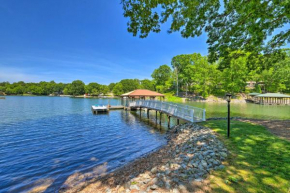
<point x="44" y="141"/>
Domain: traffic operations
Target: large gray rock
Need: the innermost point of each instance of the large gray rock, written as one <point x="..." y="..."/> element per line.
<point x="204" y="164"/>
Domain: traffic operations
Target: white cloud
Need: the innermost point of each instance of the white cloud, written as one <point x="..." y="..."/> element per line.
<point x="15" y="75"/>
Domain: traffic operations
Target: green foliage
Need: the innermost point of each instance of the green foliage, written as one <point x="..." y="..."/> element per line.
<point x="104" y="89"/>
<point x="118" y="89"/>
<point x="195" y="74"/>
<point x="258" y="88"/>
<point x="130" y="84"/>
<point x="93" y="88"/>
<point x="77" y="87"/>
<point x="259" y="160"/>
<point x="147" y="84"/>
<point x="235" y="76"/>
<point x="171" y="98"/>
<point x="163" y="78"/>
<point x="41" y="88"/>
<point x="232" y="25"/>
<point x="192" y="74"/>
<point x="111" y="86"/>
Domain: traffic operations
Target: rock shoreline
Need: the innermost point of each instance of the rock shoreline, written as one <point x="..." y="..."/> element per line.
<point x="191" y="154"/>
<point x="241" y="98"/>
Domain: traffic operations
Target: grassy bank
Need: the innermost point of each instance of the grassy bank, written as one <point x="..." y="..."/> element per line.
<point x="259" y="161"/>
<point x="171" y="98"/>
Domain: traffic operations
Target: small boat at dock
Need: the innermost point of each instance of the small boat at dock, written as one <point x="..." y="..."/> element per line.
<point x="2" y="97"/>
<point x="99" y="109"/>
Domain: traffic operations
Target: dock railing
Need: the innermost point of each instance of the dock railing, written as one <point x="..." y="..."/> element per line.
<point x="189" y="113"/>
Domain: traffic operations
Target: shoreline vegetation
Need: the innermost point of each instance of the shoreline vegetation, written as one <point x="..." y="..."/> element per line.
<point x="168" y="97"/>
<point x="251" y="160"/>
<point x="190" y="76"/>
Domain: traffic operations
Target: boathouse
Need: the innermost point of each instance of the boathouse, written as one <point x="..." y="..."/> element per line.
<point x="273" y="99"/>
<point x="141" y="94"/>
<point x="147" y="99"/>
<point x="251" y="97"/>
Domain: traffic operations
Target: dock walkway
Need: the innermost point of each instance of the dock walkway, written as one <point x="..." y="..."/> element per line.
<point x="184" y="112"/>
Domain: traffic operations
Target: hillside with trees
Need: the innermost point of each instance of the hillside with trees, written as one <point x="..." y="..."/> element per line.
<point x="188" y="73"/>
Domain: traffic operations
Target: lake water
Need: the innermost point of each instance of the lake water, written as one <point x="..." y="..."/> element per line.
<point x="45" y="140"/>
<point x="247" y="110"/>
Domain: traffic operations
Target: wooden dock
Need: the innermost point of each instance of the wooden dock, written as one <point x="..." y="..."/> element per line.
<point x="106" y="109"/>
<point x="179" y="111"/>
<point x="116" y="107"/>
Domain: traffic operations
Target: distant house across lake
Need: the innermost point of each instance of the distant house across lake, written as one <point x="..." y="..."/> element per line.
<point x="269" y="98"/>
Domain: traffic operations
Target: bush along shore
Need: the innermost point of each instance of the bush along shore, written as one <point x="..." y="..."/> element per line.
<point x="191" y="154"/>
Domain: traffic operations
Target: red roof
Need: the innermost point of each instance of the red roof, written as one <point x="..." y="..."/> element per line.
<point x="143" y="92"/>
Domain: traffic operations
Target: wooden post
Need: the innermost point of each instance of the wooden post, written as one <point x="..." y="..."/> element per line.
<point x="160" y="118"/>
<point x="177" y="121"/>
<point x="140" y="111"/>
<point x="168" y="121"/>
<point x="148" y="113"/>
<point x="156" y="116"/>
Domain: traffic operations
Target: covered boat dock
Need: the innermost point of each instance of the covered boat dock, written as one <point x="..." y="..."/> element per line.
<point x="151" y="100"/>
<point x="141" y="94"/>
<point x="251" y="97"/>
<point x="273" y="99"/>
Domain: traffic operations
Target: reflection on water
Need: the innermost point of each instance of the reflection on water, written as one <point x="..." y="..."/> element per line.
<point x="247" y="110"/>
<point x="46" y="142"/>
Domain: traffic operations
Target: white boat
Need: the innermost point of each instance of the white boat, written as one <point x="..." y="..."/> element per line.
<point x="99" y="108"/>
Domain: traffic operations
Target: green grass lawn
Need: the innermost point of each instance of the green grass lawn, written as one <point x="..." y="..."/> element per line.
<point x="171" y="98"/>
<point x="259" y="160"/>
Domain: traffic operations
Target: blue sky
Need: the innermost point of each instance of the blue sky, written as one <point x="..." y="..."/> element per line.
<point x="66" y="40"/>
<point x="87" y="40"/>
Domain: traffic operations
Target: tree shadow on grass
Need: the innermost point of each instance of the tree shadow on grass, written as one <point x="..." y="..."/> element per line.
<point x="260" y="161"/>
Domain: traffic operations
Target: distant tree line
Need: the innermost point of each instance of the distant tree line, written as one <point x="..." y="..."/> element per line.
<point x="193" y="73"/>
<point x="188" y="73"/>
<point x="75" y="88"/>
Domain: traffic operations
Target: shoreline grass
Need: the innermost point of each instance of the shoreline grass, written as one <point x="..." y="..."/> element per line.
<point x="169" y="97"/>
<point x="259" y="160"/>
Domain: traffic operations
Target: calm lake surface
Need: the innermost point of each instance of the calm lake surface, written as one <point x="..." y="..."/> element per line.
<point x="45" y="140"/>
<point x="247" y="110"/>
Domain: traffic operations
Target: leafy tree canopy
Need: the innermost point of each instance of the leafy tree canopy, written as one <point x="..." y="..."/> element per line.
<point x="162" y="77"/>
<point x="147" y="84"/>
<point x="77" y="87"/>
<point x="229" y="24"/>
<point x="130" y="84"/>
<point x="118" y="89"/>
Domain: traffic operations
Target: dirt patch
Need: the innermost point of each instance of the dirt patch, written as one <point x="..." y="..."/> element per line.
<point x="280" y="128"/>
